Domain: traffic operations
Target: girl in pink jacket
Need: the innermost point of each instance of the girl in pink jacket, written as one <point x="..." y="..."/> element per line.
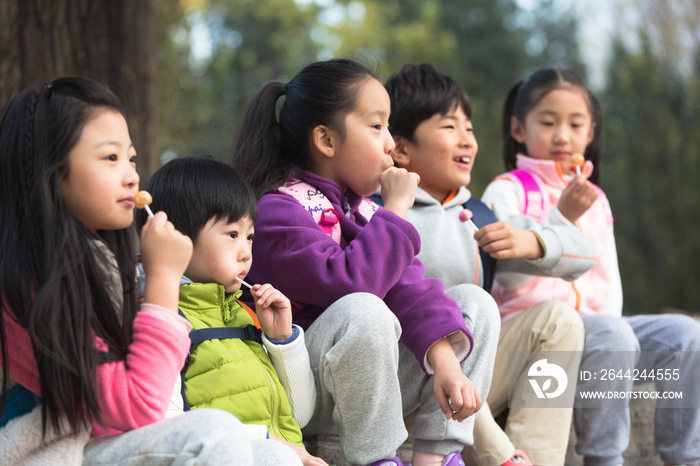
<point x="73" y="338"/>
<point x="549" y="119"/>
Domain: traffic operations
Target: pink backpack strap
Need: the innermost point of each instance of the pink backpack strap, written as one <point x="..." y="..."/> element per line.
<point x="603" y="199"/>
<point x="367" y="208"/>
<point x="532" y="200"/>
<point x="316" y="203"/>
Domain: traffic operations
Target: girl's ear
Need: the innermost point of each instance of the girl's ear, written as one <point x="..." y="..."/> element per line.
<point x="400" y="154"/>
<point x="324" y="140"/>
<point x="517" y="130"/>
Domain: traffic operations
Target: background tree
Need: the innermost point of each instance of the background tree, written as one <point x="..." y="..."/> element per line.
<point x="108" y="40"/>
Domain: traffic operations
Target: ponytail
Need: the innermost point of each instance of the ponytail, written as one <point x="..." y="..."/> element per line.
<point x="258" y="147"/>
<point x="267" y="152"/>
<point x="511" y="147"/>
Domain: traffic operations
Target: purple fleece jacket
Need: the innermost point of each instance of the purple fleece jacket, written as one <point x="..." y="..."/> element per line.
<point x="379" y="257"/>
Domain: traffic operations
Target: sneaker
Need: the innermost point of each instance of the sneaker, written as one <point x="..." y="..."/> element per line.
<point x="453" y="459"/>
<point x="519" y="458"/>
<point x="395" y="461"/>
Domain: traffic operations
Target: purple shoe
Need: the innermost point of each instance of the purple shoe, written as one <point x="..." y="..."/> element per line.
<point x="395" y="461"/>
<point x="453" y="459"/>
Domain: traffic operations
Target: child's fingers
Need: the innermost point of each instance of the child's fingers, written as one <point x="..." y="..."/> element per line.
<point x="443" y="402"/>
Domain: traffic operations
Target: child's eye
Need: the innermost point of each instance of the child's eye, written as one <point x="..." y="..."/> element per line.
<point x="233" y="234"/>
<point x="250" y="237"/>
<point x="133" y="159"/>
<point x="377" y="127"/>
<point x="112" y="158"/>
<point x="546" y="123"/>
<point x="449" y="127"/>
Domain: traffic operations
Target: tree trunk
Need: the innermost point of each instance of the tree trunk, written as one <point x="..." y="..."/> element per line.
<point x="113" y="41"/>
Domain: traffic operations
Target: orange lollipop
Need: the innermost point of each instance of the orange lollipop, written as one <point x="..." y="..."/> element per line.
<point x="578" y="162"/>
<point x="142" y="199"/>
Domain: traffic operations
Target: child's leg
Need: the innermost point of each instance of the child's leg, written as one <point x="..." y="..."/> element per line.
<point x="353" y="348"/>
<point x="433" y="433"/>
<point x="541" y="433"/>
<point x="676" y="429"/>
<point x="603" y="432"/>
<point x="199" y="437"/>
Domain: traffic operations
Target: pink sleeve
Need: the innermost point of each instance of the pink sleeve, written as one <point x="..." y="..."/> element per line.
<point x="135" y="392"/>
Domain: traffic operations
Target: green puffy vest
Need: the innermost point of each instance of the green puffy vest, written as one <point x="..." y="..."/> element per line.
<point x="232" y="374"/>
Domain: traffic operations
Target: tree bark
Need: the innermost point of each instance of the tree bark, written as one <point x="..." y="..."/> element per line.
<point x="113" y="41"/>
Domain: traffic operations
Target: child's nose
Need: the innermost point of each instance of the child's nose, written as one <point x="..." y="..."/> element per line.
<point x="389" y="144"/>
<point x="131" y="177"/>
<point x="246" y="253"/>
<point x="561" y="134"/>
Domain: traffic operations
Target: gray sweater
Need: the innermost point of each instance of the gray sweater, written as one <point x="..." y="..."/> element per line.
<point x="449" y="251"/>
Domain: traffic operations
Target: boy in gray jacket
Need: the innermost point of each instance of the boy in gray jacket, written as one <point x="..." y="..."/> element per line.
<point x="431" y="124"/>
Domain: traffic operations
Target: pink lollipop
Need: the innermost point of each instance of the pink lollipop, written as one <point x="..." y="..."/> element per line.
<point x="466" y="216"/>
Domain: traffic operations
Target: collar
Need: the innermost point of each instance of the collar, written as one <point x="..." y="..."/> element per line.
<point x="549" y="170"/>
<point x="200" y="296"/>
<point x="460" y="196"/>
<point x="348" y="200"/>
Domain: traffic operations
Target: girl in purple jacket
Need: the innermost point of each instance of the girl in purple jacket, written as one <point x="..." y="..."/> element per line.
<point x="383" y="340"/>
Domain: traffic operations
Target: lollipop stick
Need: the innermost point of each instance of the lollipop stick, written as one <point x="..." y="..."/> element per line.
<point x="241" y="280"/>
<point x="471" y="222"/>
<point x="578" y="170"/>
<point x="148" y="210"/>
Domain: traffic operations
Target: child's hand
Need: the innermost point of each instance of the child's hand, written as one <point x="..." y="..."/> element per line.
<point x="503" y="241"/>
<point x="455" y="393"/>
<point x="165" y="254"/>
<point x="306" y="458"/>
<point x="399" y="188"/>
<point x="576" y="198"/>
<point x="274" y="312"/>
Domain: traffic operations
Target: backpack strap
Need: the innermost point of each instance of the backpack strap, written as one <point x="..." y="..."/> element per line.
<point x="483" y="216"/>
<point x="316" y="203"/>
<point x="532" y="201"/>
<point x="18" y="402"/>
<point x="249" y="332"/>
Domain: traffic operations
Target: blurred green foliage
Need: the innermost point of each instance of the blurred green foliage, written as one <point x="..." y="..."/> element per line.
<point x="216" y="54"/>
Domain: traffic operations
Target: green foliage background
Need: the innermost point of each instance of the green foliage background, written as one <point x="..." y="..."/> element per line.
<point x="652" y="113"/>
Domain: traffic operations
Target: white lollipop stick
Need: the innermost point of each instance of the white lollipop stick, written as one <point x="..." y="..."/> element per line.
<point x="466" y="216"/>
<point x="148" y="211"/>
<point x="241" y="280"/>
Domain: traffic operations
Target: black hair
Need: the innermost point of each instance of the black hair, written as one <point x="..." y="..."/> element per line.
<point x="266" y="151"/>
<point x="524" y="95"/>
<point x="194" y="190"/>
<point x="418" y="92"/>
<point x="55" y="282"/>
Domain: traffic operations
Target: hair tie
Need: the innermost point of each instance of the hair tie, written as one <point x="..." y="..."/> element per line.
<point x="48" y="85"/>
<point x="285" y="89"/>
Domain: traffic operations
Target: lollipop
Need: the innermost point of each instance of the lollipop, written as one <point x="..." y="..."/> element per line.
<point x="142" y="199"/>
<point x="241" y="280"/>
<point x="466" y="216"/>
<point x="578" y="162"/>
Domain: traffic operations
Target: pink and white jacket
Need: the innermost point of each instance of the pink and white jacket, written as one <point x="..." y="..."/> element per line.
<point x="598" y="291"/>
<point x="134" y="392"/>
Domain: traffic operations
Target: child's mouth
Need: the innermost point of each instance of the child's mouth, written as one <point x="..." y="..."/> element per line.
<point x="464" y="160"/>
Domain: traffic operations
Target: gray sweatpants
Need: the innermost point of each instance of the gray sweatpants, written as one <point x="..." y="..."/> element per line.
<point x="603" y="433"/>
<point x="367" y="381"/>
<point x="200" y="437"/>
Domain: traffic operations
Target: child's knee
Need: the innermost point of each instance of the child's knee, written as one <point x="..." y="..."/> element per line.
<point x="610" y="333"/>
<point x="556" y="318"/>
<point x="364" y="314"/>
